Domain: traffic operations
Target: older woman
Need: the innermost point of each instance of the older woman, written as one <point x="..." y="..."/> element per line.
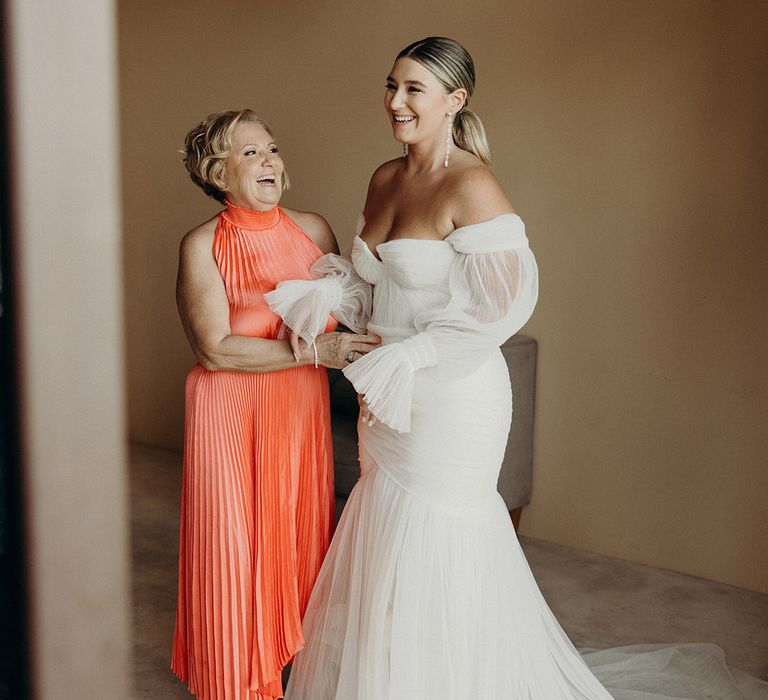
<point x="257" y="495"/>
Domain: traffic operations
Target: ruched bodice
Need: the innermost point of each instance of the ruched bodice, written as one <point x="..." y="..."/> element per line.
<point x="411" y="275"/>
<point x="451" y="302"/>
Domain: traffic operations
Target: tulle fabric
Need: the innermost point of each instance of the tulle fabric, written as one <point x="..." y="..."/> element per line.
<point x="335" y="289"/>
<point x="425" y="592"/>
<point x="672" y="672"/>
<point x="397" y="622"/>
<point x="492" y="291"/>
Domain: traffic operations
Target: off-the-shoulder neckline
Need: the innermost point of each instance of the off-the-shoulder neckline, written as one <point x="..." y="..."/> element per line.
<point x="466" y="227"/>
<point x="397" y="240"/>
<point x="482" y="223"/>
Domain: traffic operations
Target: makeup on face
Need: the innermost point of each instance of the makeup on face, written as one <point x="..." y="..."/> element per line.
<point x="415" y="100"/>
<point x="254" y="168"/>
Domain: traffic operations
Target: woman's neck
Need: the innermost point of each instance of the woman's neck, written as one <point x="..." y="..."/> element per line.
<point x="426" y="156"/>
<point x="248" y="218"/>
<point x="245" y="203"/>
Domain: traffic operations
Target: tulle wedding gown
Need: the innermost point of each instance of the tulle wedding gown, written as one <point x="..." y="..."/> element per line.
<point x="425" y="593"/>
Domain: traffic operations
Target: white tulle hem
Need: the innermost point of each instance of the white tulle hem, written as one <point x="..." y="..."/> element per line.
<point x="422" y="602"/>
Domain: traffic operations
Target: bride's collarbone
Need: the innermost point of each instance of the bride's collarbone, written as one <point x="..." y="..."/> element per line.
<point x="421" y="215"/>
<point x="383" y="229"/>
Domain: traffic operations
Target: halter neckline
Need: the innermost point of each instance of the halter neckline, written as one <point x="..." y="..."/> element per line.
<point x="252" y="219"/>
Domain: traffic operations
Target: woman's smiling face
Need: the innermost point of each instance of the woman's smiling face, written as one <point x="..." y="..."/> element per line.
<point x="416" y="101"/>
<point x="253" y="170"/>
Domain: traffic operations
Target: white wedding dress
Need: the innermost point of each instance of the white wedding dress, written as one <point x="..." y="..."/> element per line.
<point x="425" y="593"/>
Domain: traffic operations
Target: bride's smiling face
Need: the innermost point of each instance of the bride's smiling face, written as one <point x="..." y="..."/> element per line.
<point x="416" y="101"/>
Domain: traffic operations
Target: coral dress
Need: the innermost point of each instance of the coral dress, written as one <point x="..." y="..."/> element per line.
<point x="257" y="494"/>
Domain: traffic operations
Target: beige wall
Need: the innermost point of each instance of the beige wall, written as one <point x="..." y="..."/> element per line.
<point x="627" y="135"/>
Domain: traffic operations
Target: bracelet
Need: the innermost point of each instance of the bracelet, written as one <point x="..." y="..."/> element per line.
<point x="314" y="347"/>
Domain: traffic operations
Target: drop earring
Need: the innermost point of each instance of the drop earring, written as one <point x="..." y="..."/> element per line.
<point x="405" y="150"/>
<point x="448" y="139"/>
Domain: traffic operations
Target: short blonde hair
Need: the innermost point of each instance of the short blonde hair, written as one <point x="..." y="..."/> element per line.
<point x="208" y="144"/>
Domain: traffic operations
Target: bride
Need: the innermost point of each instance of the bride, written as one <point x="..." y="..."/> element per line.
<point x="425" y="593"/>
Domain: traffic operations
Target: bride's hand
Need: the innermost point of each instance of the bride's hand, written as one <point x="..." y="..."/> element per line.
<point x="338" y="350"/>
<point x="365" y="413"/>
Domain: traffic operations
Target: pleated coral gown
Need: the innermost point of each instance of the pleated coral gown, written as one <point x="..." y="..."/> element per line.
<point x="257" y="493"/>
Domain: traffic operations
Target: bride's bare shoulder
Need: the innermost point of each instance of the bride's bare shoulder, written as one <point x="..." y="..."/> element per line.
<point x="380" y="182"/>
<point x="385" y="172"/>
<point x="477" y="196"/>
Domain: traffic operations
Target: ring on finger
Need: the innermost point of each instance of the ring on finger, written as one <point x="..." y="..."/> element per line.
<point x="351" y="356"/>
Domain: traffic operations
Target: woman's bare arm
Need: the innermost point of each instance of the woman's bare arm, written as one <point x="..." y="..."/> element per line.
<point x="204" y="310"/>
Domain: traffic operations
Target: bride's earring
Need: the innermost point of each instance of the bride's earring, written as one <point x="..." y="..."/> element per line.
<point x="405" y="150"/>
<point x="448" y="139"/>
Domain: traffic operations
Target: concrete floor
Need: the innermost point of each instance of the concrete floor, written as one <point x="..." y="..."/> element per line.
<point x="600" y="601"/>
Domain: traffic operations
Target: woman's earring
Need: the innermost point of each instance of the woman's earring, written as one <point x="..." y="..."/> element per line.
<point x="448" y="139"/>
<point x="405" y="150"/>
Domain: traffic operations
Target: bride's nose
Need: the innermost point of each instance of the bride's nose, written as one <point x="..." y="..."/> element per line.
<point x="397" y="101"/>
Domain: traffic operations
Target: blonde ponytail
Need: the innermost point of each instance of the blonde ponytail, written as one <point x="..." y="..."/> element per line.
<point x="469" y="135"/>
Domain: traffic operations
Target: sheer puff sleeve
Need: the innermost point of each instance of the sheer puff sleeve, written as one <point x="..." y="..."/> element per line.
<point x="493" y="284"/>
<point x="334" y="290"/>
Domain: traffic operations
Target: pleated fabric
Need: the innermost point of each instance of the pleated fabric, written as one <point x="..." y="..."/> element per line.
<point x="257" y="491"/>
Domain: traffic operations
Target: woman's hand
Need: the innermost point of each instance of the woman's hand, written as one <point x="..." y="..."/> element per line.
<point x="337" y="350"/>
<point x="294" y="342"/>
<point x="365" y="413"/>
